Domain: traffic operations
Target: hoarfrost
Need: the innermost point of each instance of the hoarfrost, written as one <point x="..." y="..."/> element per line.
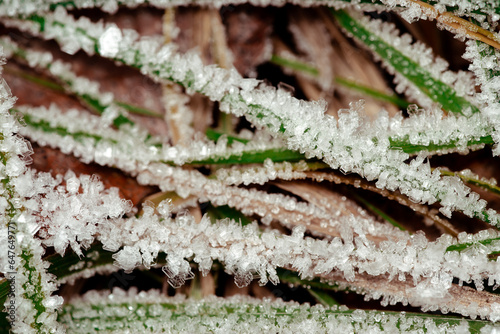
<point x="240" y="314"/>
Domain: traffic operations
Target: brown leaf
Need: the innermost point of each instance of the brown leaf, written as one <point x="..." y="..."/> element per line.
<point x="248" y="36"/>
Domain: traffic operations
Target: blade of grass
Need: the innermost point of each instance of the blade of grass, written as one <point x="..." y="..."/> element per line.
<point x="138" y="110"/>
<point x="323" y="297"/>
<point x="246" y="157"/>
<point x="454" y="23"/>
<point x="378" y="212"/>
<point x="433" y="88"/>
<point x="468" y="177"/>
<point x="463" y="246"/>
<point x="214" y="135"/>
<point x="376" y="94"/>
<point x="405" y="145"/>
<point x="68" y="82"/>
<point x="224" y="211"/>
<point x="131" y="311"/>
<point x="252" y="157"/>
<point x="294" y="65"/>
<point x="368" y="91"/>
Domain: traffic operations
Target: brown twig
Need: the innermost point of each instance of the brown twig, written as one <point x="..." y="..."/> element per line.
<point x="454" y="23"/>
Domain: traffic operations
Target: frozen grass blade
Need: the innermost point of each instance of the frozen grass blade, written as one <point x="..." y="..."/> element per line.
<point x="308" y="69"/>
<point x="445" y="13"/>
<point x="406" y="146"/>
<point x="147" y="310"/>
<point x="378" y="211"/>
<point x="494" y="243"/>
<point x="323" y="297"/>
<point x="485" y="61"/>
<point x="30" y="302"/>
<point x="376" y="37"/>
<point x="470" y="8"/>
<point x="294" y="65"/>
<point x="87" y="91"/>
<point x="44" y="121"/>
<point x="474" y="179"/>
<point x="376" y="94"/>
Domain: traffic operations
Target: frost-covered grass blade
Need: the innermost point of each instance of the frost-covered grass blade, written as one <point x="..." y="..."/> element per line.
<point x="412" y="64"/>
<point x="139" y="311"/>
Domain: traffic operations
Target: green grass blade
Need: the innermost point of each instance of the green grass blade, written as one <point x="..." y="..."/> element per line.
<point x="435" y="89"/>
<point x="378" y="211"/>
<point x="407" y="147"/>
<point x="68" y="83"/>
<point x="368" y="91"/>
<point x="45" y="126"/>
<point x="252" y="157"/>
<point x="323" y="297"/>
<point x="294" y="65"/>
<point x="138" y="110"/>
<point x="463" y="246"/>
<point x="224" y="211"/>
<point x="376" y="94"/>
<point x="215" y="135"/>
<point x="245" y="157"/>
<point x="32" y="297"/>
<point x="470" y="178"/>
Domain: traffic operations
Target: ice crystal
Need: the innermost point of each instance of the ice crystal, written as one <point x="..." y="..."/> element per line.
<point x="484" y="60"/>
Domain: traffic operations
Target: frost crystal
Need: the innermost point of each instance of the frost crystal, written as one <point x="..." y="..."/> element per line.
<point x="109" y="42"/>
